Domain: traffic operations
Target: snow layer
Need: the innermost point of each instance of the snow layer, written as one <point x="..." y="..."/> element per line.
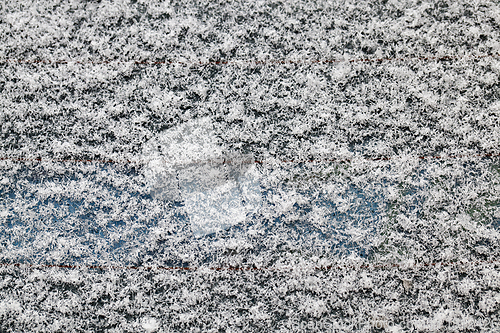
<point x="208" y="135"/>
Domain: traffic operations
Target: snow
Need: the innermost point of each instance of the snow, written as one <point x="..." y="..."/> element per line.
<point x="149" y="325"/>
<point x="249" y="166"/>
<point x="187" y="164"/>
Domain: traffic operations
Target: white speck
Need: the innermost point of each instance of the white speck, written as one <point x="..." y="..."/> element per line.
<point x="149" y="324"/>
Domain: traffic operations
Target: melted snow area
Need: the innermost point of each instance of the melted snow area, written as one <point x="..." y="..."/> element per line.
<point x="205" y="167"/>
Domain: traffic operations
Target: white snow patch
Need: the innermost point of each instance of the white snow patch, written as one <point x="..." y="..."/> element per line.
<point x="9" y="305"/>
<point x="150" y="324"/>
<point x="186" y="163"/>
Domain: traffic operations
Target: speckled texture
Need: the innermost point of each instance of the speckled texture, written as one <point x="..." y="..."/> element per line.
<point x="358" y="137"/>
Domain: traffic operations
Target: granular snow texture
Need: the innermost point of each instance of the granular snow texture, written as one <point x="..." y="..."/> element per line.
<point x="259" y="166"/>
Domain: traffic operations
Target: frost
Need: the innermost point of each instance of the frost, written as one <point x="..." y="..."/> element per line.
<point x="249" y="166"/>
<point x="258" y="314"/>
<point x="7" y="306"/>
<point x="149" y="324"/>
<point x="187" y="163"/>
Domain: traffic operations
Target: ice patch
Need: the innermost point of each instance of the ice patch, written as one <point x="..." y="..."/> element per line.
<point x="187" y="164"/>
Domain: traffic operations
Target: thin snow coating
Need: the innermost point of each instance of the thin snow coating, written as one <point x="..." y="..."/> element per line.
<point x="265" y="166"/>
